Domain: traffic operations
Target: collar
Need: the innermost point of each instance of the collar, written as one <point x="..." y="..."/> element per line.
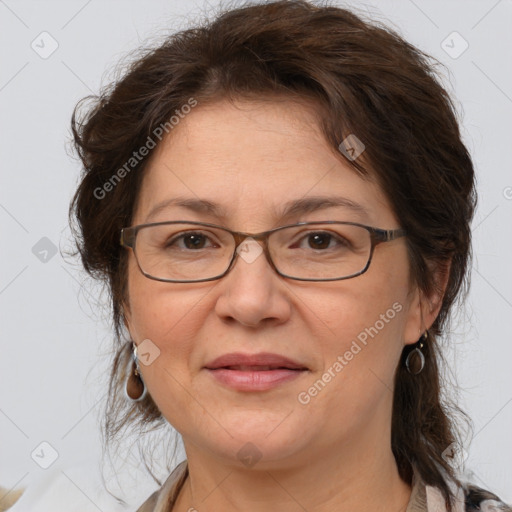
<point x="426" y="498"/>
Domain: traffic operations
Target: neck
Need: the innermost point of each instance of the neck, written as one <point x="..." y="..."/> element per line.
<point x="363" y="478"/>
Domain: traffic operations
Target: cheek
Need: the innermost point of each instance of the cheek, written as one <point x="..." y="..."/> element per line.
<point x="372" y="306"/>
<point x="359" y="362"/>
<point x="361" y="328"/>
<point x="172" y="327"/>
<point x="170" y="318"/>
<point x="157" y="309"/>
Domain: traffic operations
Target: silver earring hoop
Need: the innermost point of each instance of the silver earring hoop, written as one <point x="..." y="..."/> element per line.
<point x="134" y="389"/>
<point x="418" y="355"/>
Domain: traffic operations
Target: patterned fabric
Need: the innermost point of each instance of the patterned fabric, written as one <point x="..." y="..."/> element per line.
<point x="480" y="500"/>
<point x="424" y="498"/>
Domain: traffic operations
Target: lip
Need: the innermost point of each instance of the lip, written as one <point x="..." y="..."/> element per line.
<point x="261" y="359"/>
<point x="254" y="372"/>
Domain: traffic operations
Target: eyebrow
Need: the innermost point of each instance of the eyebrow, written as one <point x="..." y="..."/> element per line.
<point x="289" y="209"/>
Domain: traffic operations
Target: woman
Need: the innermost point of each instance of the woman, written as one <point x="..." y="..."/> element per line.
<point x="280" y="204"/>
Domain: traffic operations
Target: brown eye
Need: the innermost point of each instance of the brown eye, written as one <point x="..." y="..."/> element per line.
<point x="190" y="240"/>
<point x="321" y="240"/>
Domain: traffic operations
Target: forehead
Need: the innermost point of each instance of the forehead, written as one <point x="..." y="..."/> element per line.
<point x="249" y="158"/>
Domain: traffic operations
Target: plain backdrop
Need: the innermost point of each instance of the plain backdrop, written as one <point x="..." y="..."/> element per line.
<point x="55" y="336"/>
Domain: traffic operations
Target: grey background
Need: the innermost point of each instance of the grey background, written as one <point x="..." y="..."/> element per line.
<point x="54" y="333"/>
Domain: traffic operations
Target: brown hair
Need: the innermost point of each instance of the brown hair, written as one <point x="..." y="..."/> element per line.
<point x="364" y="79"/>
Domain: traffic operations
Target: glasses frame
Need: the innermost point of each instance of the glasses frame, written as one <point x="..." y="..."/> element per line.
<point x="377" y="236"/>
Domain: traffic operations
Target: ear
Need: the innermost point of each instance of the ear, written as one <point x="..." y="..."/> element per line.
<point x="423" y="309"/>
<point x="126" y="317"/>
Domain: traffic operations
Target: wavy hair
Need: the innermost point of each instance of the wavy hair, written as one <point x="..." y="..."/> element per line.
<point x="364" y="79"/>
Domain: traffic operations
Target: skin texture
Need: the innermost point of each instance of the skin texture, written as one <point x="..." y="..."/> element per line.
<point x="333" y="453"/>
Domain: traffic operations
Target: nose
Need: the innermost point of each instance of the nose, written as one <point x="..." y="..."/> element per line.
<point x="252" y="292"/>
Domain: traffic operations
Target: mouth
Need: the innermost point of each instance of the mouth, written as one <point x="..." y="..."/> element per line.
<point x="259" y="372"/>
<point x="264" y="361"/>
<point x="256" y="368"/>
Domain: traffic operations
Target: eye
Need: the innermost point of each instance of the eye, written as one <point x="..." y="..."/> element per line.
<point x="320" y="240"/>
<point x="190" y="240"/>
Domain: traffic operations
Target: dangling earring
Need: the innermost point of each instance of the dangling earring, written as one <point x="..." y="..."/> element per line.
<point x="418" y="354"/>
<point x="135" y="389"/>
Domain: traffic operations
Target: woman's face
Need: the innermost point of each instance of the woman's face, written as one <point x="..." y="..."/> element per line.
<point x="252" y="160"/>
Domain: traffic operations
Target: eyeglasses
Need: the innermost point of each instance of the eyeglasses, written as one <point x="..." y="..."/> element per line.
<point x="190" y="252"/>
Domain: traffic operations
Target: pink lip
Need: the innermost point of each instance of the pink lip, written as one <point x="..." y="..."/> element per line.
<point x="256" y="372"/>
<point x="261" y="359"/>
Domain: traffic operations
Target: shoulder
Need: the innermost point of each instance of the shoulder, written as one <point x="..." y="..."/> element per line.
<point x="467" y="497"/>
<point x="8" y="497"/>
<point x="477" y="499"/>
<point x="150" y="504"/>
<point x="162" y="499"/>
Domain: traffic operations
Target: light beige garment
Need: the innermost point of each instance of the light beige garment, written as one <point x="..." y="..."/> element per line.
<point x="423" y="498"/>
<point x="163" y="499"/>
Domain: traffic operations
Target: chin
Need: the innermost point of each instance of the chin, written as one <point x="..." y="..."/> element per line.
<point x="259" y="440"/>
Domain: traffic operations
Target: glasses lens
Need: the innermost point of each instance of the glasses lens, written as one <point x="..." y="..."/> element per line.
<point x="321" y="251"/>
<point x="188" y="252"/>
<point x="183" y="252"/>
